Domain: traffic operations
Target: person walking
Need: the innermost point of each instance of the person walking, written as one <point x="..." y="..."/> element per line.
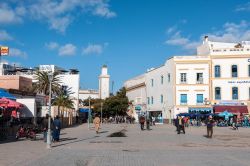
<point x="57" y="129"/>
<point x="180" y="125"/>
<point x="210" y="125"/>
<point x="97" y="122"/>
<point x="45" y="127"/>
<point x="142" y="121"/>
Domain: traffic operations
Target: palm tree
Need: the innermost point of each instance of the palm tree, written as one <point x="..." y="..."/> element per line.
<point x="63" y="101"/>
<point x="42" y="84"/>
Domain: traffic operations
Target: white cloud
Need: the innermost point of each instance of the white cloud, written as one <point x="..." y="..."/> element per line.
<point x="9" y="15"/>
<point x="59" y="15"/>
<point x="243" y="7"/>
<point x="52" y="45"/>
<point x="4" y="36"/>
<point x="94" y="49"/>
<point x="102" y="9"/>
<point x="67" y="50"/>
<point x="230" y="32"/>
<point x="18" y="53"/>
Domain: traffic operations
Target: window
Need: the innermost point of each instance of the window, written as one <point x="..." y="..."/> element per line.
<point x="152" y="100"/>
<point x="148" y="100"/>
<point x="217" y="93"/>
<point x="199" y="78"/>
<point x="152" y="82"/>
<point x="217" y="71"/>
<point x="234" y="71"/>
<point x="248" y="70"/>
<point x="162" y="78"/>
<point x="183" y="99"/>
<point x="199" y="98"/>
<point x="161" y="98"/>
<point x="249" y="94"/>
<point x="183" y="78"/>
<point x="235" y="93"/>
<point x="168" y="77"/>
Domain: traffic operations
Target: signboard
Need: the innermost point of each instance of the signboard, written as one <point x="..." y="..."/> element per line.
<point x="229" y="103"/>
<point x="239" y="82"/>
<point x="46" y="68"/>
<point x="4" y="51"/>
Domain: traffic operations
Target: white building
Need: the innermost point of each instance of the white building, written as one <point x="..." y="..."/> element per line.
<point x="219" y="75"/>
<point x="68" y="79"/>
<point x="156" y="91"/>
<point x="104" y="87"/>
<point x="136" y="93"/>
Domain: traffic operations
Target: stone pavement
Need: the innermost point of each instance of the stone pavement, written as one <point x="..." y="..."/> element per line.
<point x="160" y="146"/>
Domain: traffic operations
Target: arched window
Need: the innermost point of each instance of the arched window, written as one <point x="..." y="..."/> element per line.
<point x="234" y="71"/>
<point x="217" y="71"/>
<point x="162" y="78"/>
<point x="161" y="98"/>
<point x="235" y="93"/>
<point x="217" y="93"/>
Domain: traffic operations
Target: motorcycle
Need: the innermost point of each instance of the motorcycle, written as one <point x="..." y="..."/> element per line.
<point x="26" y="132"/>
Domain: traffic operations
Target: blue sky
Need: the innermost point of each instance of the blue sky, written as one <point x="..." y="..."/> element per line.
<point x="129" y="36"/>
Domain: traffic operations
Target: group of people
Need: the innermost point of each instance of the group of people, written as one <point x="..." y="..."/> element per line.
<point x="143" y="120"/>
<point x="182" y="122"/>
<point x="55" y="126"/>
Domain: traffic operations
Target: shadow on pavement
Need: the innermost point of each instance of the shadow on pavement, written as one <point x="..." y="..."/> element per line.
<point x="73" y="141"/>
<point x="103" y="132"/>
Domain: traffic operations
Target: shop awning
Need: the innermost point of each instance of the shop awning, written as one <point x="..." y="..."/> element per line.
<point x="232" y="109"/>
<point x="84" y="110"/>
<point x="5" y="94"/>
<point x="4" y="102"/>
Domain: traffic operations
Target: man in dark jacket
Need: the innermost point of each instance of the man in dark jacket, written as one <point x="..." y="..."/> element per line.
<point x="142" y="121"/>
<point x="57" y="128"/>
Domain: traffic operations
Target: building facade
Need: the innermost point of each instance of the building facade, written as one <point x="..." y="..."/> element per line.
<point x="136" y="93"/>
<point x="218" y="75"/>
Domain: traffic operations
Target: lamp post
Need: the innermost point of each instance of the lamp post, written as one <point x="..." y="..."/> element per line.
<point x="89" y="112"/>
<point x="50" y="77"/>
<point x="101" y="112"/>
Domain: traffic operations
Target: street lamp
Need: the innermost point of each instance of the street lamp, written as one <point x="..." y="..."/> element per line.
<point x="50" y="77"/>
<point x="89" y="112"/>
<point x="101" y="112"/>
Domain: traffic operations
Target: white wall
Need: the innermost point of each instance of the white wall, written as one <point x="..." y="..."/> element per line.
<point x="72" y="81"/>
<point x="157" y="90"/>
<point x="226" y="82"/>
<point x="104" y="87"/>
<point x="84" y="96"/>
<point x="30" y="107"/>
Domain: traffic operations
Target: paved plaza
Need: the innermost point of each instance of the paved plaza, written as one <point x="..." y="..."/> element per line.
<point x="160" y="146"/>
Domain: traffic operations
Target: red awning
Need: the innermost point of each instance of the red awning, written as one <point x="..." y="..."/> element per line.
<point x="4" y="102"/>
<point x="232" y="109"/>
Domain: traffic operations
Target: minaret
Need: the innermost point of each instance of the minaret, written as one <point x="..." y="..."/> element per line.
<point x="104" y="83"/>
